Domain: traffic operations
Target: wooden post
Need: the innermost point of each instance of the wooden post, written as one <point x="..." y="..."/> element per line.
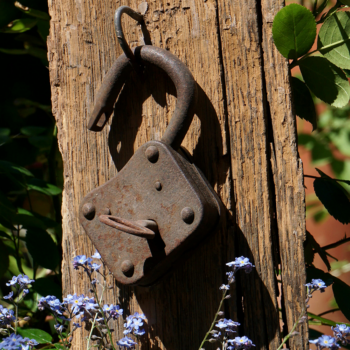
<point x="243" y="138"/>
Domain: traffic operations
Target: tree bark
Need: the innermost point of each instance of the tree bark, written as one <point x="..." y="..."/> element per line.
<point x="243" y="138"/>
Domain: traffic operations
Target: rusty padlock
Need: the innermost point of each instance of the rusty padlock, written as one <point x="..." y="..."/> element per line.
<point x="159" y="205"/>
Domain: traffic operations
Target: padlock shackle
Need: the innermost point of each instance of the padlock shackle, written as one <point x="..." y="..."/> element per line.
<point x="180" y="75"/>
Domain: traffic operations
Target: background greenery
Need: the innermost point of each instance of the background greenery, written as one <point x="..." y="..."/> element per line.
<point x="30" y="164"/>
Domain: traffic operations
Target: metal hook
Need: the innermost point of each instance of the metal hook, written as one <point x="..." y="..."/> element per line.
<point x="120" y="35"/>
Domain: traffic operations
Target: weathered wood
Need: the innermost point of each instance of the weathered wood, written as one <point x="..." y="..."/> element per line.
<point x="230" y="142"/>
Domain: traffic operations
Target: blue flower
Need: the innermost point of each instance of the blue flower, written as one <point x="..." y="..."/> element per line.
<point x="24" y="280"/>
<point x="95" y="267"/>
<point x="326" y="341"/>
<point x="221" y="324"/>
<point x="12" y="282"/>
<point x="81" y="260"/>
<point x="242" y="343"/>
<point x="59" y="327"/>
<point x="96" y="255"/>
<point x="241" y="263"/>
<point x="341" y="332"/>
<point x="126" y="342"/>
<point x="133" y="323"/>
<point x="52" y="303"/>
<point x="224" y="287"/>
<point x="6" y="316"/>
<point x="9" y="296"/>
<point x="316" y="284"/>
<point x="13" y="341"/>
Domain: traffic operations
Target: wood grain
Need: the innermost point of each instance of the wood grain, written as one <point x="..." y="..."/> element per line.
<point x="229" y="138"/>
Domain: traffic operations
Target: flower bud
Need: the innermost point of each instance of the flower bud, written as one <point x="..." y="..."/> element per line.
<point x="27" y="318"/>
<point x="221" y="313"/>
<point x="228" y="296"/>
<point x="212" y="340"/>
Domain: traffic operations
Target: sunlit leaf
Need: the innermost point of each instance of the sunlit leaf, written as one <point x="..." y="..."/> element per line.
<point x="335" y="34"/>
<point x="19" y="25"/>
<point x="42" y="248"/>
<point x="303" y="102"/>
<point x="36" y="334"/>
<point x="325" y="80"/>
<point x="294" y="31"/>
<point x="11" y="168"/>
<point x="43" y="187"/>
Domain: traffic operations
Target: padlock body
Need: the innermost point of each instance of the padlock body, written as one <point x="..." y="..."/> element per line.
<point x="156" y="184"/>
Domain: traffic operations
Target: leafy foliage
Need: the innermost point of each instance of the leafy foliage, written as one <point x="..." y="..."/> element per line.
<point x="30" y="164"/>
<point x="294" y="31"/>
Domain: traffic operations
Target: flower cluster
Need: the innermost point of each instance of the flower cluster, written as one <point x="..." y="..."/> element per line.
<point x="16" y="342"/>
<point x="21" y="283"/>
<point x="316" y="284"/>
<point x="228" y="327"/>
<point x="134" y="323"/>
<point x="240" y="263"/>
<point x="240" y="343"/>
<point x="325" y="342"/>
<point x="341" y="332"/>
<point x="6" y="316"/>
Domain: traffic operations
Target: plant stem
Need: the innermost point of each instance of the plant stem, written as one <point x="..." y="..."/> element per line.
<point x="326" y="178"/>
<point x="293" y="329"/>
<point x="102" y="312"/>
<point x="90" y="334"/>
<point x="16" y="308"/>
<point x="336" y="244"/>
<point x="215" y="318"/>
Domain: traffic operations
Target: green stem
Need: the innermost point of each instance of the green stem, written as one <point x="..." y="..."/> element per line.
<point x="16" y="308"/>
<point x="90" y="334"/>
<point x="215" y="318"/>
<point x="293" y="329"/>
<point x="102" y="312"/>
<point x="296" y="63"/>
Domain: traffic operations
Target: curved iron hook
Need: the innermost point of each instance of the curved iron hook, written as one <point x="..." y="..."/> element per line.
<point x="120" y="35"/>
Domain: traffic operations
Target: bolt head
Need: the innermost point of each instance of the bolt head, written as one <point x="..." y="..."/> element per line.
<point x="127" y="268"/>
<point x="106" y="211"/>
<point x="152" y="154"/>
<point x="158" y="186"/>
<point x="89" y="211"/>
<point x="187" y="215"/>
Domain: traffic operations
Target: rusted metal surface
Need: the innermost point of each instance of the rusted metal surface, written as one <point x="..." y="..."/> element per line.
<point x="178" y="73"/>
<point x="186" y="209"/>
<point x="127" y="226"/>
<point x="120" y="35"/>
<point x="159" y="205"/>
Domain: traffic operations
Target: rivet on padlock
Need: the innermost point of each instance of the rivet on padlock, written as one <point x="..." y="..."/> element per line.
<point x="159" y="205"/>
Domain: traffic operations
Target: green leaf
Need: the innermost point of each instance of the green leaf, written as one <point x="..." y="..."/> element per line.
<point x="333" y="197"/>
<point x="43" y="29"/>
<point x="33" y="130"/>
<point x="32" y="12"/>
<point x="19" y="25"/>
<point x="341" y="293"/>
<point x="333" y="39"/>
<point x="10" y="168"/>
<point x="341" y="140"/>
<point x="4" y="235"/>
<point x="36" y="334"/>
<point x="5" y="134"/>
<point x="324" y="321"/>
<point x="325" y="80"/>
<point x="43" y="187"/>
<point x="59" y="346"/>
<point x="14" y="51"/>
<point x="47" y="286"/>
<point x="42" y="142"/>
<point x="318" y="249"/>
<point x="294" y="31"/>
<point x="42" y="248"/>
<point x="303" y="102"/>
<point x="4" y="259"/>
